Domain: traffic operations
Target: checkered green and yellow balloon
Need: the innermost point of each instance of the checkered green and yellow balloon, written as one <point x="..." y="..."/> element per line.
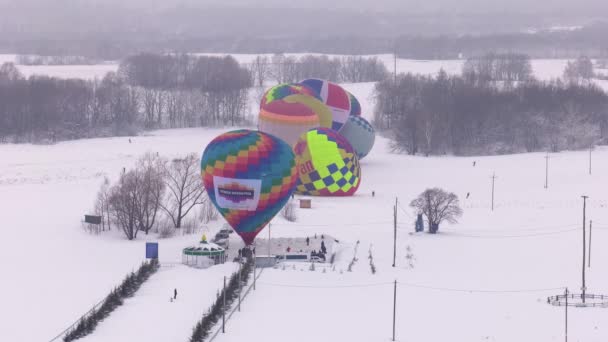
<point x="327" y="164"/>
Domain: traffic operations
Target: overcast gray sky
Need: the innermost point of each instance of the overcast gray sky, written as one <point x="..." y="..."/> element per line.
<point x="378" y="5"/>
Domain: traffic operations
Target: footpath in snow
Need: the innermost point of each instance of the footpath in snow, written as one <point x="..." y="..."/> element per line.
<point x="150" y="316"/>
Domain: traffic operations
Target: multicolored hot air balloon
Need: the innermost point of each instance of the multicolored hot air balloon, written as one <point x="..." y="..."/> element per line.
<point x="327" y="164"/>
<point x="287" y="111"/>
<point x="283" y="90"/>
<point x="334" y="97"/>
<point x="249" y="176"/>
<point x="355" y="105"/>
<point x="360" y="134"/>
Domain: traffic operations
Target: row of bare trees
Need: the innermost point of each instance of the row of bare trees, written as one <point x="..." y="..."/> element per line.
<point x="289" y="69"/>
<point x="41" y="108"/>
<point x="156" y="188"/>
<point x="506" y="68"/>
<point x="454" y="114"/>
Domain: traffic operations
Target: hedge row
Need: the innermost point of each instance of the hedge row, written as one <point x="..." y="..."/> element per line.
<point x="126" y="289"/>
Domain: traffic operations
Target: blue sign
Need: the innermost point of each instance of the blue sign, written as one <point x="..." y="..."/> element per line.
<point x="151" y="250"/>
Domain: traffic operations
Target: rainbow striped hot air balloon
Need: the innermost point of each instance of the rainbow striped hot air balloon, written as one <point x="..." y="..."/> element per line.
<point x="327" y="164"/>
<point x="288" y="110"/>
<point x="283" y="90"/>
<point x="249" y="176"/>
<point x="334" y="96"/>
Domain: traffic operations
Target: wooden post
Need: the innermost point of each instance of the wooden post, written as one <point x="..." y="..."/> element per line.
<point x="584" y="288"/>
<point x="395" y="233"/>
<point x="590" y="227"/>
<point x="493" y="179"/>
<point x="547" y="171"/>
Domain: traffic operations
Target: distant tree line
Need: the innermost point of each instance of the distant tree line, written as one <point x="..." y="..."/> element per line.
<point x="54" y="60"/>
<point x="288" y="69"/>
<point x="149" y="91"/>
<point x="459" y="115"/>
<point x="589" y="40"/>
<point x="506" y="68"/>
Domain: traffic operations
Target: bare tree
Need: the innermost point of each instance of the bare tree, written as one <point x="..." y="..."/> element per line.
<point x="260" y="69"/>
<point x="102" y="204"/>
<point x="150" y="173"/>
<point x="185" y="190"/>
<point x="208" y="211"/>
<point x="10" y="73"/>
<point x="579" y="71"/>
<point x="438" y="206"/>
<point x="123" y="203"/>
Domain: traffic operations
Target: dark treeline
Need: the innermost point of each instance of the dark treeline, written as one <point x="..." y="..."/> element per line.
<point x="147" y="92"/>
<point x="156" y="91"/>
<point x="460" y="115"/>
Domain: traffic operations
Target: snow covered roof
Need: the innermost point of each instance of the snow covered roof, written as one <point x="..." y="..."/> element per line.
<point x="204" y="248"/>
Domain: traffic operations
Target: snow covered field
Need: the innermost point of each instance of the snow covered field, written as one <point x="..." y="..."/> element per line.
<point x="54" y="271"/>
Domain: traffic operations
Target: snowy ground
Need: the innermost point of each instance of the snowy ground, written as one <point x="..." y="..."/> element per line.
<point x="532" y="240"/>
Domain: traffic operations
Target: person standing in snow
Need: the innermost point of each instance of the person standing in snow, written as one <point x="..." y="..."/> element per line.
<point x="307" y="241"/>
<point x="174" y="294"/>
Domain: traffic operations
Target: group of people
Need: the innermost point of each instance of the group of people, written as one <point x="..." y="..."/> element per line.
<point x="321" y="253"/>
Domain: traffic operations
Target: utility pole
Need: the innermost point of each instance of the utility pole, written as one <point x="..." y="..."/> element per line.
<point x="493" y="179"/>
<point x="584" y="288"/>
<point x="566" y="325"/>
<point x="395" y="62"/>
<point x="590" y="150"/>
<point x="547" y="171"/>
<point x="394" y="308"/>
<point x="395" y="232"/>
<point x="590" y="226"/>
<point x="224" y="308"/>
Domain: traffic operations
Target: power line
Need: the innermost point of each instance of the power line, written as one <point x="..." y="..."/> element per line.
<point x="412" y="285"/>
<point x="334" y="224"/>
<point x="447" y="289"/>
<point x="512" y="236"/>
<point x="327" y="287"/>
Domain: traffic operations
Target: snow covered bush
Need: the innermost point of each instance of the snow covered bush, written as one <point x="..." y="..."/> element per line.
<point x="289" y="212"/>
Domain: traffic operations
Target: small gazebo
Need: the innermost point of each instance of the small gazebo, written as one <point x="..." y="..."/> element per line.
<point x="205" y="255"/>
